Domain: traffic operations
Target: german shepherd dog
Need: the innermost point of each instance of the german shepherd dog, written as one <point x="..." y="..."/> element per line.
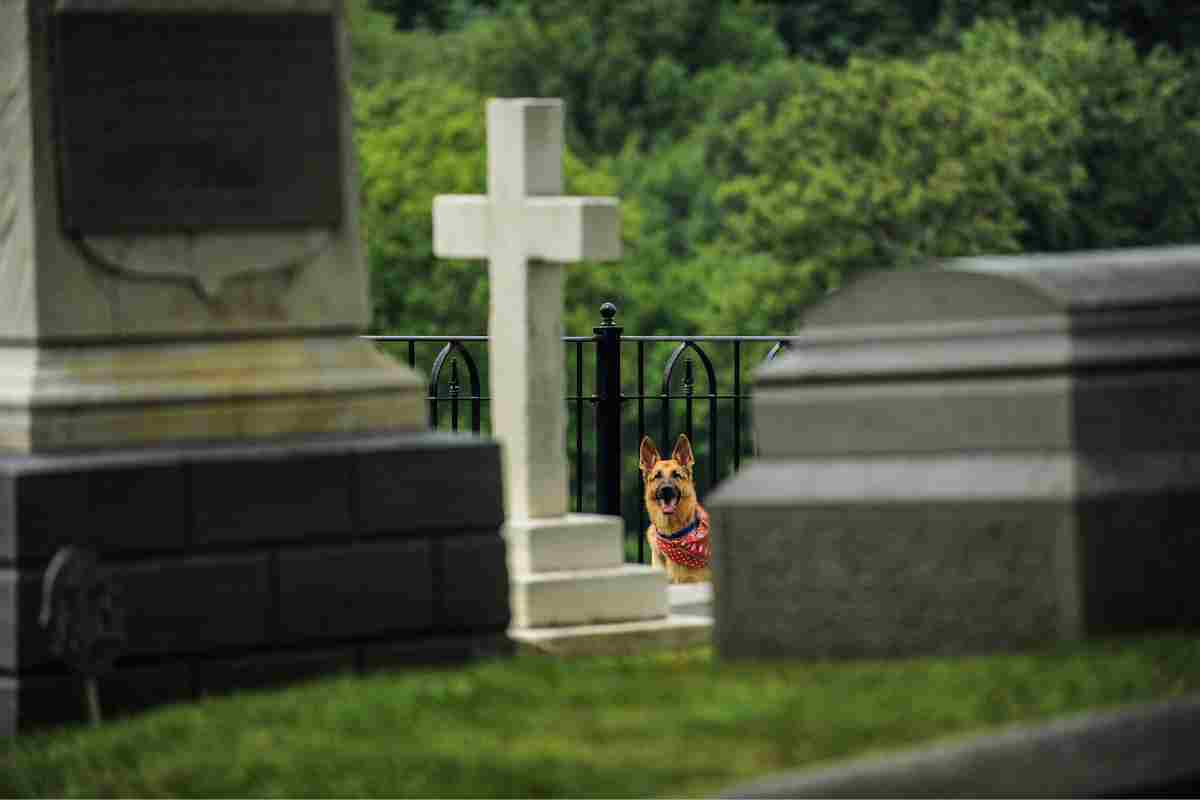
<point x="678" y="532"/>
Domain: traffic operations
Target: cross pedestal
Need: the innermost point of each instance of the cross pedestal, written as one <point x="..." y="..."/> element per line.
<point x="566" y="569"/>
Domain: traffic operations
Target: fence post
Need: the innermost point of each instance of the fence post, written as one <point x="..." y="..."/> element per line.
<point x="608" y="412"/>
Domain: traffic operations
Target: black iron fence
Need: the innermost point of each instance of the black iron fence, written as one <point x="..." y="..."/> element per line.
<point x="624" y="400"/>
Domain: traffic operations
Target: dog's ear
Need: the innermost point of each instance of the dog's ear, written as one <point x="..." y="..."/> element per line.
<point x="648" y="456"/>
<point x="683" y="451"/>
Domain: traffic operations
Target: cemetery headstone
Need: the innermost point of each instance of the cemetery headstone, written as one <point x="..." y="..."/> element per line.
<point x="183" y="391"/>
<point x="999" y="453"/>
<point x="570" y="588"/>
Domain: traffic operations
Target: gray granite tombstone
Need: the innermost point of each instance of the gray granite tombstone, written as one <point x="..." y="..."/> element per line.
<point x="183" y="392"/>
<point x="998" y="453"/>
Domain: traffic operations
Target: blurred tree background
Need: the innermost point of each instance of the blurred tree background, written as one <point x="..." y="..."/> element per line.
<point x="765" y="151"/>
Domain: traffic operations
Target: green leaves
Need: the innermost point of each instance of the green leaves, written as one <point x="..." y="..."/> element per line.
<point x="416" y="139"/>
<point x="752" y="184"/>
<point x="1012" y="142"/>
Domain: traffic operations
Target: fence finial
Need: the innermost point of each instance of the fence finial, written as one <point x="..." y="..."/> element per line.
<point x="608" y="311"/>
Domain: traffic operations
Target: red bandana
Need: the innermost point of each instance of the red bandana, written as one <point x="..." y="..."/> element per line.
<point x="689" y="547"/>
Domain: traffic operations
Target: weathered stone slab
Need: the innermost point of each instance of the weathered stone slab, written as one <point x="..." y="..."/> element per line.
<point x="994" y="454"/>
<point x="1142" y="751"/>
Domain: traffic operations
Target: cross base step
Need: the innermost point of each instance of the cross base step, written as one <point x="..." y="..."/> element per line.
<point x="581" y="597"/>
<point x="572" y="541"/>
<point x="676" y="632"/>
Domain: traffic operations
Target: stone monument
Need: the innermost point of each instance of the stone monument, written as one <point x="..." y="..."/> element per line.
<point x="999" y="453"/>
<point x="570" y="589"/>
<point x="183" y="395"/>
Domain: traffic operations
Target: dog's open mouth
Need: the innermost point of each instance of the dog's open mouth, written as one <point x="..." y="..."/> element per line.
<point x="668" y="499"/>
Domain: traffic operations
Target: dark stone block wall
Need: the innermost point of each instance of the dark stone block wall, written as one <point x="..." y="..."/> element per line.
<point x="247" y="565"/>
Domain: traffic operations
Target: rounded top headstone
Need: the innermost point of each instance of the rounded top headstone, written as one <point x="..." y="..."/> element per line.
<point x="975" y="289"/>
<point x="990" y="316"/>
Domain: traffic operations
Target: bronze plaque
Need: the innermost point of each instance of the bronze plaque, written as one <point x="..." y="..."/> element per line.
<point x="197" y="121"/>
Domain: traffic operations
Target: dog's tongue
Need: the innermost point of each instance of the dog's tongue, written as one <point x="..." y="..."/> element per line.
<point x="668" y="506"/>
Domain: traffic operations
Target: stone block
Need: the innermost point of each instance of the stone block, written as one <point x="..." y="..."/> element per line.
<point x="170" y="607"/>
<point x="140" y="688"/>
<point x="263" y="495"/>
<point x="474" y="591"/>
<point x="995" y="454"/>
<point x="690" y="599"/>
<point x="574" y="541"/>
<point x="878" y="576"/>
<point x="435" y="651"/>
<point x="195" y="605"/>
<point x="918" y="417"/>
<point x="579" y="597"/>
<point x="23" y="642"/>
<point x="45" y="700"/>
<point x="265" y="594"/>
<point x="364" y="589"/>
<point x="261" y="670"/>
<point x="110" y="501"/>
<point x="431" y="482"/>
<point x="29" y="703"/>
<point x="1137" y="562"/>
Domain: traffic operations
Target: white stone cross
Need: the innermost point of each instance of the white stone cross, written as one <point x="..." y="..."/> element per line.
<point x="526" y="229"/>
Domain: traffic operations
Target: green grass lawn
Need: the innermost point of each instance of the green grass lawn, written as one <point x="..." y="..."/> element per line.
<point x="684" y="724"/>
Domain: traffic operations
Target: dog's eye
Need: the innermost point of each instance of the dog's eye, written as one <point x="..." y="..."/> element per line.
<point x="656" y="476"/>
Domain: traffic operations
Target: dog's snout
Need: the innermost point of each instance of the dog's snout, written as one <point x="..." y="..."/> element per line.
<point x="668" y="493"/>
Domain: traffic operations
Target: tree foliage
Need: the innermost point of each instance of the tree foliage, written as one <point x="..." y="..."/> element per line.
<point x="1012" y="142"/>
<point x="753" y="182"/>
<point x="623" y="68"/>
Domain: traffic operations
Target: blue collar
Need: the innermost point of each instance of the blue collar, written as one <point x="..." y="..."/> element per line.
<point x="680" y="533"/>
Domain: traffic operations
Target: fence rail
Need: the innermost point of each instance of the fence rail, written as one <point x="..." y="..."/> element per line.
<point x="719" y="451"/>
